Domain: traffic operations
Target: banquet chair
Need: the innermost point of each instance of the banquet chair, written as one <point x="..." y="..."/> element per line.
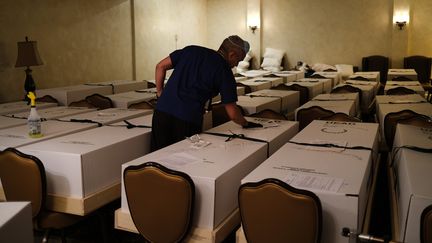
<point x="146" y="105"/>
<point x="426" y="225"/>
<point x="401" y="78"/>
<point x="339" y="116"/>
<point x="347" y="89"/>
<point x="392" y="119"/>
<point x="23" y="179"/>
<point x="273" y="211"/>
<point x="422" y="66"/>
<point x="219" y="114"/>
<point x="99" y="101"/>
<point x="359" y="78"/>
<point x="161" y="201"/>
<point x="400" y="91"/>
<point x="304" y="91"/>
<point x="319" y="76"/>
<point x="150" y="85"/>
<point x="81" y="103"/>
<point x="47" y="99"/>
<point x="307" y="115"/>
<point x="270" y="114"/>
<point x="376" y="63"/>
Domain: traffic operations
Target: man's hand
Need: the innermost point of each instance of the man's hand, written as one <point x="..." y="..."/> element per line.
<point x="252" y="125"/>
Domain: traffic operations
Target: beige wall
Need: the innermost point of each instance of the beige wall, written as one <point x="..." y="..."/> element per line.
<point x="327" y="31"/>
<point x="89" y="41"/>
<point x="420" y="28"/>
<point x="162" y="26"/>
<point x="78" y="40"/>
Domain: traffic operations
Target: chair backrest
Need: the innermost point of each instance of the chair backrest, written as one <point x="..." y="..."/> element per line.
<point x="23" y="178"/>
<point x="401" y="78"/>
<point x="426" y="225"/>
<point x="151" y="85"/>
<point x="376" y="63"/>
<point x="270" y="114"/>
<point x="422" y="65"/>
<point x="319" y="76"/>
<point x="347" y="89"/>
<point x="273" y="211"/>
<point x="307" y="115"/>
<point x="142" y="105"/>
<point x="392" y="119"/>
<point x="81" y="103"/>
<point x="339" y="116"/>
<point x="219" y="114"/>
<point x="359" y="78"/>
<point x="99" y="101"/>
<point x="400" y="91"/>
<point x="304" y="92"/>
<point x="47" y="99"/>
<point x="161" y="201"/>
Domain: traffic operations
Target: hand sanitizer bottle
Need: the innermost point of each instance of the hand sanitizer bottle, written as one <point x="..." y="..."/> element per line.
<point x="34" y="120"/>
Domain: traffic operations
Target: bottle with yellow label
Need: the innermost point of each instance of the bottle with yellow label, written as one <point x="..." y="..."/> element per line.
<point x="34" y="120"/>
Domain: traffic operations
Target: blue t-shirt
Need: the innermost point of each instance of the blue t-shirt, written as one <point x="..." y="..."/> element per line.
<point x="199" y="74"/>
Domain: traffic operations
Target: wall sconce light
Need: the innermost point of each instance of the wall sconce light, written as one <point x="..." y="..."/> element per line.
<point x="253" y="28"/>
<point x="401" y="24"/>
<point x="401" y="18"/>
<point x="253" y="15"/>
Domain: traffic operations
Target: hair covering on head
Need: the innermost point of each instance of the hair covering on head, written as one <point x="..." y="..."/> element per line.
<point x="235" y="42"/>
<point x="239" y="42"/>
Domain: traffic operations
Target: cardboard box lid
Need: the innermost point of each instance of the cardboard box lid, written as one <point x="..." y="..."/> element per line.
<point x="245" y="100"/>
<point x="273" y="128"/>
<point x="274" y="92"/>
<point x="211" y="161"/>
<point x="18" y="136"/>
<point x="348" y="165"/>
<point x="55" y="112"/>
<point x="349" y="133"/>
<point x="109" y="116"/>
<point x="6" y="122"/>
<point x="19" y="106"/>
<point x="87" y="141"/>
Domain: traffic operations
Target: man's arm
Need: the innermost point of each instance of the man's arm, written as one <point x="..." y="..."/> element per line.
<point x="235" y="114"/>
<point x="160" y="73"/>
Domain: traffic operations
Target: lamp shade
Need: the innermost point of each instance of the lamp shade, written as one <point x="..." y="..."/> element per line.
<point x="28" y="54"/>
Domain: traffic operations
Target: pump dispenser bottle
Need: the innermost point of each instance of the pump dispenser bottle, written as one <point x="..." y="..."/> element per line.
<point x="34" y="120"/>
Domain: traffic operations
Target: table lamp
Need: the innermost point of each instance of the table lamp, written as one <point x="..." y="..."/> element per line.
<point x="28" y="55"/>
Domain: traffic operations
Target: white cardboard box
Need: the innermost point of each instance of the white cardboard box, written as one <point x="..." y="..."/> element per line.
<point x="54" y="112"/>
<point x="215" y="169"/>
<point x="81" y="164"/>
<point x="20" y="106"/>
<point x="343" y="178"/>
<point x="289" y="100"/>
<point x="262" y="83"/>
<point x="66" y="95"/>
<point x="18" y="136"/>
<point x="6" y="122"/>
<point x="124" y="100"/>
<point x="315" y="88"/>
<point x="336" y="77"/>
<point x="275" y="132"/>
<point x="120" y="86"/>
<point x="16" y="222"/>
<point x="413" y="179"/>
<point x="108" y="116"/>
<point x="413" y="85"/>
<point x="252" y="105"/>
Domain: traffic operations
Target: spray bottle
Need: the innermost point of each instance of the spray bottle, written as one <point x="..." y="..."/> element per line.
<point x="34" y="120"/>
